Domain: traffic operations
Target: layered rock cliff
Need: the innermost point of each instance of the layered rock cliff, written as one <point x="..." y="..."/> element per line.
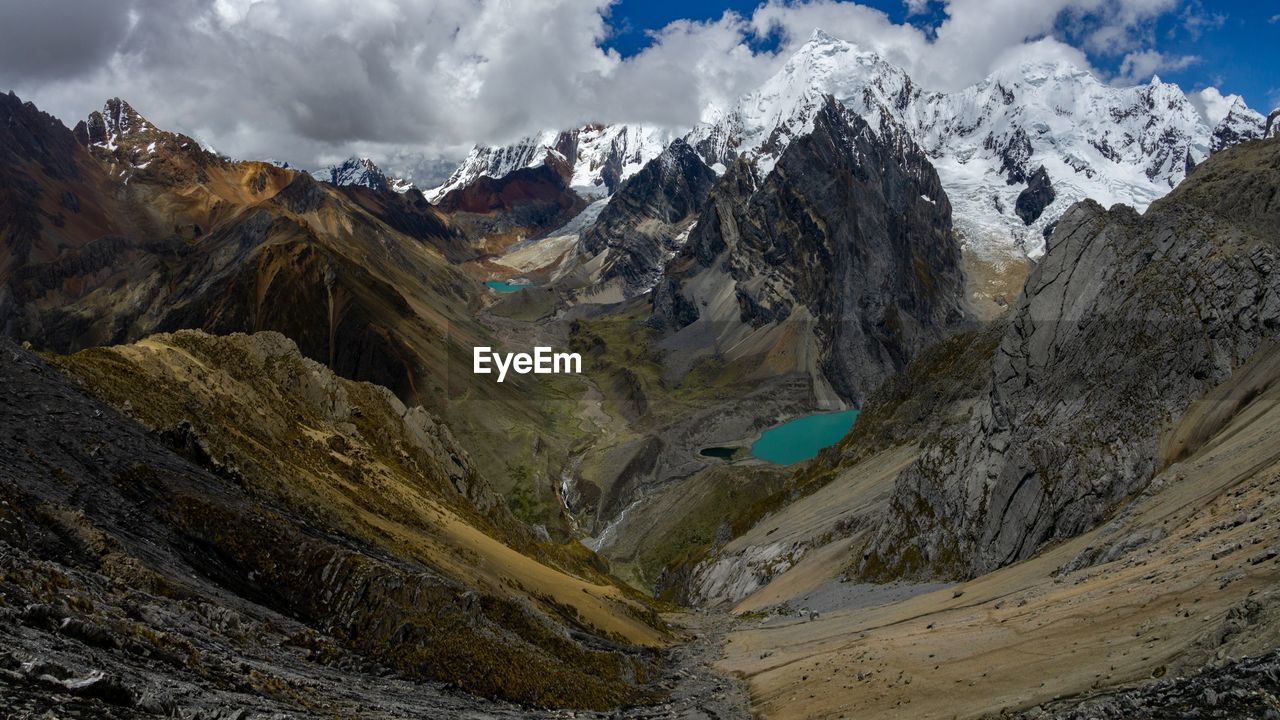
<point x="1127" y="320"/>
<point x="850" y="231"/>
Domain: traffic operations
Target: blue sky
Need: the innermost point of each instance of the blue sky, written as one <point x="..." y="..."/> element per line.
<point x="1235" y="43"/>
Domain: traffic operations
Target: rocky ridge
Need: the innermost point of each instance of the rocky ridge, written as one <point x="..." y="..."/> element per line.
<point x="1127" y="320"/>
<point x="851" y="228"/>
<point x="361" y="172"/>
<point x="646" y="222"/>
<point x="267" y="493"/>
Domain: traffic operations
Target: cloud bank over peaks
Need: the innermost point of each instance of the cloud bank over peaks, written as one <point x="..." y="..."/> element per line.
<point x="406" y="81"/>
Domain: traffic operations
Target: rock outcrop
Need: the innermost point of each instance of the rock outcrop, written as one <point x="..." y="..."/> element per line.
<point x="648" y="218"/>
<point x="1127" y="320"/>
<point x="850" y="229"/>
<point x="1038" y="196"/>
<point x="524" y="202"/>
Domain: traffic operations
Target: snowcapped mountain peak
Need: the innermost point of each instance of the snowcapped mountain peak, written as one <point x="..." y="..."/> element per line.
<point x="593" y="159"/>
<point x="1049" y="129"/>
<point x="119" y="118"/>
<point x="1035" y="73"/>
<point x="988" y="140"/>
<point x="825" y="59"/>
<point x="116" y="122"/>
<point x="763" y="122"/>
<point x="1239" y="124"/>
<point x="362" y="172"/>
<point x="820" y="36"/>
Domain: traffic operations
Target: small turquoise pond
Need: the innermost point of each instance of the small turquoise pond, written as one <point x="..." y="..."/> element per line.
<point x="503" y="286"/>
<point x="802" y="438"/>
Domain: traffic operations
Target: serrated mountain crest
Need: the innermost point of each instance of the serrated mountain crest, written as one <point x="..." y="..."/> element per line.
<point x="594" y="159"/>
<point x="1129" y="145"/>
<point x="361" y="172"/>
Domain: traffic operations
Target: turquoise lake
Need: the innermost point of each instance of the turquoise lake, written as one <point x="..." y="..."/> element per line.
<point x="503" y="286"/>
<point x="802" y="438"/>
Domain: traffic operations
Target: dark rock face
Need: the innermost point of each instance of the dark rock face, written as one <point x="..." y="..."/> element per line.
<point x="852" y="227"/>
<point x="412" y="214"/>
<point x="527" y="200"/>
<point x="1036" y="197"/>
<point x="1014" y="151"/>
<point x="1125" y="322"/>
<point x="39" y="158"/>
<point x="671" y="309"/>
<point x="640" y="226"/>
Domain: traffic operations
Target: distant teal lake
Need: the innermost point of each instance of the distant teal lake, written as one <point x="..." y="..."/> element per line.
<point x="503" y="286"/>
<point x="802" y="438"/>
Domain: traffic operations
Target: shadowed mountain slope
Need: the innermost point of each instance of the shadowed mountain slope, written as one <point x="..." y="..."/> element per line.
<point x="268" y="493"/>
<point x="848" y="240"/>
<point x="1126" y="322"/>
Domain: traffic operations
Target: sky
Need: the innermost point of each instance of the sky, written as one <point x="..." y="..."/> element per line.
<point x="414" y="83"/>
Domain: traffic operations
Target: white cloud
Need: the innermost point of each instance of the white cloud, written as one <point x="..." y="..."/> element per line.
<point x="1196" y="22"/>
<point x="1140" y="66"/>
<point x="1212" y="104"/>
<point x="917" y="7"/>
<point x="405" y="79"/>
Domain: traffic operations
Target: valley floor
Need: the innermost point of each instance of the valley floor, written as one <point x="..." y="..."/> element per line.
<point x="1184" y="578"/>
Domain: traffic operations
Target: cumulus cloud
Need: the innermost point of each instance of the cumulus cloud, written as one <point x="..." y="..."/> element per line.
<point x="917" y="7"/>
<point x="404" y="81"/>
<point x="1212" y="104"/>
<point x="1140" y="66"/>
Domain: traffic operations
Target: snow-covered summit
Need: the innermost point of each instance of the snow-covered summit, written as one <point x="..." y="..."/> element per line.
<point x="1129" y="145"/>
<point x="1240" y="124"/>
<point x="362" y="172"/>
<point x="763" y="122"/>
<point x="593" y="158"/>
<point x="987" y="141"/>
